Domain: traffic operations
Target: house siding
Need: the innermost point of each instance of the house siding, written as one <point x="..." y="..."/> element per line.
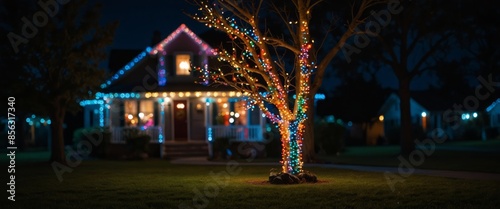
<point x="197" y="120"/>
<point x="495" y="116"/>
<point x="115" y="109"/>
<point x="168" y="126"/>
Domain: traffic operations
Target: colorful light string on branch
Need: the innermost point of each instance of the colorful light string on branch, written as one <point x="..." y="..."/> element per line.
<point x="253" y="63"/>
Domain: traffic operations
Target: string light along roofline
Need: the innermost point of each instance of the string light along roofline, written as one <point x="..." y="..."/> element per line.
<point x="152" y="51"/>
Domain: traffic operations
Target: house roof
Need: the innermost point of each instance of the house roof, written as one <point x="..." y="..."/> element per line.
<point x="493" y="105"/>
<point x="138" y="73"/>
<point x="182" y="29"/>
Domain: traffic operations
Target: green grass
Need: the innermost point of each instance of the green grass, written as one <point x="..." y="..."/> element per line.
<point x="481" y="156"/>
<point x="159" y="184"/>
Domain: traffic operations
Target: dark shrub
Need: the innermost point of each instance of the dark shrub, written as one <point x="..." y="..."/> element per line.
<point x="329" y="136"/>
<point x="138" y="146"/>
<point x="492" y="133"/>
<point x="471" y="133"/>
<point x="273" y="139"/>
<point x="220" y="147"/>
<point x="394" y="134"/>
<point x="98" y="137"/>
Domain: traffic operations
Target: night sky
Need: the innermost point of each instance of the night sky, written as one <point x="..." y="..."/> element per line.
<point x="138" y="21"/>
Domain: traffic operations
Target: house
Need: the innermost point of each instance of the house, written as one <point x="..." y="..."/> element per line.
<point x="494" y="111"/>
<point x="357" y="114"/>
<point x="158" y="93"/>
<point x="389" y="113"/>
<point x="430" y="111"/>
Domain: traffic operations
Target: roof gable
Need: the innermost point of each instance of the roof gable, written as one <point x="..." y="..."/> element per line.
<point x="492" y="106"/>
<point x="182" y="33"/>
<point x="391" y="99"/>
<point x="128" y="67"/>
<point x="394" y="99"/>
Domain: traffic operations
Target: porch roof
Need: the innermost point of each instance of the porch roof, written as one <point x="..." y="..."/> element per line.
<point x="171" y="87"/>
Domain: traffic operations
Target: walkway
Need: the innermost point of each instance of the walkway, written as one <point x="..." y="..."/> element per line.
<point x="394" y="170"/>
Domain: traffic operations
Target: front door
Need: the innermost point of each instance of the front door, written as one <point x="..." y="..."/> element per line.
<point x="180" y="120"/>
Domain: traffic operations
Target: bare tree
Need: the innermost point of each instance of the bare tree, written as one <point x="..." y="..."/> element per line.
<point x="414" y="42"/>
<point x="58" y="63"/>
<point x="259" y="69"/>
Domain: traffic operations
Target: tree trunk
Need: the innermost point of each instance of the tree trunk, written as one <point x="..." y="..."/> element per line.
<point x="57" y="145"/>
<point x="407" y="144"/>
<point x="308" y="146"/>
<point x="21" y="133"/>
<point x="291" y="141"/>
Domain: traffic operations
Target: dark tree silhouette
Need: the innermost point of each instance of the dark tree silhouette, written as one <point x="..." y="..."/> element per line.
<point x="54" y="61"/>
<point x="412" y="42"/>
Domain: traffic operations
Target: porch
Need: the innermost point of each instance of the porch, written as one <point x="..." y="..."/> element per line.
<point x="243" y="133"/>
<point x="190" y="148"/>
<point x="118" y="134"/>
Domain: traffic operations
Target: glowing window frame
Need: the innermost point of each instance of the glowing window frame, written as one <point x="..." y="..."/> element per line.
<point x="178" y="71"/>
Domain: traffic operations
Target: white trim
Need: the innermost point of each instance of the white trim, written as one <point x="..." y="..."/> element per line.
<point x="187" y="108"/>
<point x="172" y="119"/>
<point x="177" y="53"/>
<point x="188" y="117"/>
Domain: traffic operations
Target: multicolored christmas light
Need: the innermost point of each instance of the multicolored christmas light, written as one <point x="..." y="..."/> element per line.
<point x="159" y="50"/>
<point x="254" y="70"/>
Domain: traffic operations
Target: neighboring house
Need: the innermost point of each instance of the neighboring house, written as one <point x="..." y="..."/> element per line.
<point x="429" y="112"/>
<point x="158" y="93"/>
<point x="360" y="125"/>
<point x="494" y="111"/>
<point x="389" y="113"/>
<point x="32" y="132"/>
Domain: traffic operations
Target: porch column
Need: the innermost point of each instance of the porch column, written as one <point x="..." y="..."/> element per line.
<point x="208" y="126"/>
<point x="161" y="121"/>
<point x="262" y="123"/>
<point x="161" y="125"/>
<point x="86" y="116"/>
<point x="107" y="115"/>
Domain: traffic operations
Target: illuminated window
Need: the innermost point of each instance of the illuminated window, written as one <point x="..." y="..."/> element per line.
<point x="146" y="114"/>
<point x="183" y="64"/>
<point x="240" y="113"/>
<point x="139" y="113"/>
<point x="131" y="113"/>
<point x="221" y="112"/>
<point x="230" y="112"/>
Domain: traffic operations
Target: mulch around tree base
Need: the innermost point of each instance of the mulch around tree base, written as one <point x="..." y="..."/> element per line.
<point x="258" y="182"/>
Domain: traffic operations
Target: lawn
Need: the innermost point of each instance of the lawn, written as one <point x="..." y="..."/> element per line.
<point x="159" y="184"/>
<point x="482" y="156"/>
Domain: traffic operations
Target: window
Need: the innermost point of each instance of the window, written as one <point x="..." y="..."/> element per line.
<point x="229" y="112"/>
<point x="130" y="107"/>
<point x="139" y="113"/>
<point x="146" y="114"/>
<point x="239" y="113"/>
<point x="183" y="64"/>
<point x="221" y="112"/>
